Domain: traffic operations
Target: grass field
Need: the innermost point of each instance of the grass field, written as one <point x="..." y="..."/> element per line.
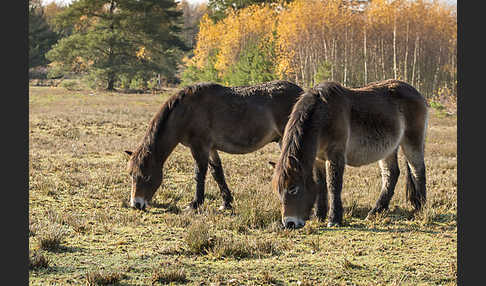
<point x="81" y="230"/>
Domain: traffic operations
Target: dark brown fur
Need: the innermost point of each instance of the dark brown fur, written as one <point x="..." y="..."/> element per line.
<point x="338" y="126"/>
<point x="207" y="118"/>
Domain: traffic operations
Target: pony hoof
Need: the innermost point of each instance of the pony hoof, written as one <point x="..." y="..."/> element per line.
<point x="321" y="217"/>
<point x="371" y="215"/>
<point x="190" y="208"/>
<point x="225" y="207"/>
<point x="333" y="224"/>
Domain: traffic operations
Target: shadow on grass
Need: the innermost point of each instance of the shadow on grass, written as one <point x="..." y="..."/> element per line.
<point x="364" y="228"/>
<point x="167" y="207"/>
<point x="68" y="249"/>
<point x="361" y="212"/>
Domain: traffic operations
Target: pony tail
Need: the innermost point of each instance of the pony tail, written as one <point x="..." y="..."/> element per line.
<point x="415" y="195"/>
<point x="411" y="192"/>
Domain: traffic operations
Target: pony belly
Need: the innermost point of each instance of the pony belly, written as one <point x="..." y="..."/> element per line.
<point x="371" y="142"/>
<point x="365" y="157"/>
<point x="362" y="151"/>
<point x="235" y="145"/>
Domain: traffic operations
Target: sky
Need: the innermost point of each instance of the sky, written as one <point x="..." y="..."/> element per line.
<point x="200" y="1"/>
<point x="68" y="1"/>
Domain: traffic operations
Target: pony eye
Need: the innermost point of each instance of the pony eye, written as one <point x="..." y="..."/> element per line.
<point x="293" y="190"/>
<point x="146" y="178"/>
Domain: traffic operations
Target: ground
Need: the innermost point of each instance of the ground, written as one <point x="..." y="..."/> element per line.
<point x="80" y="224"/>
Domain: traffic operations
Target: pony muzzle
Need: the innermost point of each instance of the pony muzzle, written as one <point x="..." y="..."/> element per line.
<point x="293" y="222"/>
<point x="138" y="203"/>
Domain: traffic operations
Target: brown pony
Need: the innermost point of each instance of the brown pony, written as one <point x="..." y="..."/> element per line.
<point x="207" y="118"/>
<point x="335" y="126"/>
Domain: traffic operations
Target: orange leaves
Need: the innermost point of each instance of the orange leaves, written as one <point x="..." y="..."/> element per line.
<point x="207" y="40"/>
<point x="228" y="37"/>
<point x="354" y="42"/>
<point x="142" y="53"/>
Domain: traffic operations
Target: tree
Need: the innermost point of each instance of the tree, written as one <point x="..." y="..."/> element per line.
<point x="41" y="36"/>
<point x="240" y="47"/>
<point x="113" y="38"/>
<point x="254" y="65"/>
<point x="351" y="41"/>
<point x="217" y="8"/>
<point x="192" y="14"/>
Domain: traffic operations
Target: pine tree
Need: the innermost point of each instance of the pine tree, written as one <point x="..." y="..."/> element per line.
<point x="115" y="38"/>
<point x="41" y="36"/>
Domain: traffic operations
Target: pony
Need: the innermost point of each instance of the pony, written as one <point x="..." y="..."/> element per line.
<point x="331" y="126"/>
<point x="207" y="118"/>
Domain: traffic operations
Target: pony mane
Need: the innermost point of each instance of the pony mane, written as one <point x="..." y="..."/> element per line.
<point x="294" y="159"/>
<point x="290" y="161"/>
<point x="147" y="145"/>
<point x="266" y="88"/>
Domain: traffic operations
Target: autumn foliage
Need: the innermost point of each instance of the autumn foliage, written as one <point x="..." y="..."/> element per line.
<point x="353" y="42"/>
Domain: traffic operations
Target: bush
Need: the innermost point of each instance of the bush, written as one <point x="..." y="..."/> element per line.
<point x="323" y="72"/>
<point x="208" y="73"/>
<point x="70" y="85"/>
<point x="138" y="82"/>
<point x="255" y="65"/>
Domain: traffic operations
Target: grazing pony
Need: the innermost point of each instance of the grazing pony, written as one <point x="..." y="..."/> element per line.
<point x="207" y="118"/>
<point x="339" y="126"/>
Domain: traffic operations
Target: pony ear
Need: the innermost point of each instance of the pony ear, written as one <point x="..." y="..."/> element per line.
<point x="272" y="163"/>
<point x="129" y="152"/>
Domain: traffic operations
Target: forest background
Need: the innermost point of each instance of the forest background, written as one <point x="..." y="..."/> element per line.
<point x="127" y="45"/>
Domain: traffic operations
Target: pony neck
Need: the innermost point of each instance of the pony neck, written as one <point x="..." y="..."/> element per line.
<point x="164" y="148"/>
<point x="160" y="139"/>
<point x="300" y="145"/>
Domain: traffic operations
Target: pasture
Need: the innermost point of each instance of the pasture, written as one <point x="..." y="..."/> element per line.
<point x="81" y="230"/>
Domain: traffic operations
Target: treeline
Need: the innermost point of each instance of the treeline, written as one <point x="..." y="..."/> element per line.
<point x="112" y="44"/>
<point x="141" y="43"/>
<point x="308" y="41"/>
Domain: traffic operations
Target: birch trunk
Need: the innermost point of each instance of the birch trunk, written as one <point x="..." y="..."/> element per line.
<point x="365" y="58"/>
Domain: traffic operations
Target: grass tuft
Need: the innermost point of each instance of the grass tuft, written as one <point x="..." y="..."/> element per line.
<point x="100" y="277"/>
<point x="37" y="261"/>
<point x="348" y="265"/>
<point x="166" y="276"/>
<point x="51" y="238"/>
<point x="197" y="238"/>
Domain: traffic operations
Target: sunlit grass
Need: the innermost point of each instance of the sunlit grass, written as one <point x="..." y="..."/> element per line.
<point x="80" y="222"/>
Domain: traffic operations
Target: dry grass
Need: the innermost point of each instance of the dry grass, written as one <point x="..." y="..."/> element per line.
<point x="51" y="237"/>
<point x="166" y="274"/>
<point x="79" y="217"/>
<point x="100" y="277"/>
<point x="37" y="261"/>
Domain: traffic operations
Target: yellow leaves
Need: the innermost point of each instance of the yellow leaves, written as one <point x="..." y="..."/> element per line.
<point x="85" y="22"/>
<point x="228" y="37"/>
<point x="142" y="54"/>
<point x="306" y="33"/>
<point x="207" y="40"/>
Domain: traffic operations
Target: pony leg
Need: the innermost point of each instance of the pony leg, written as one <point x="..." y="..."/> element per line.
<point x="321" y="198"/>
<point x="201" y="156"/>
<point x="218" y="175"/>
<point x="389" y="177"/>
<point x="334" y="177"/>
<point x="416" y="189"/>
